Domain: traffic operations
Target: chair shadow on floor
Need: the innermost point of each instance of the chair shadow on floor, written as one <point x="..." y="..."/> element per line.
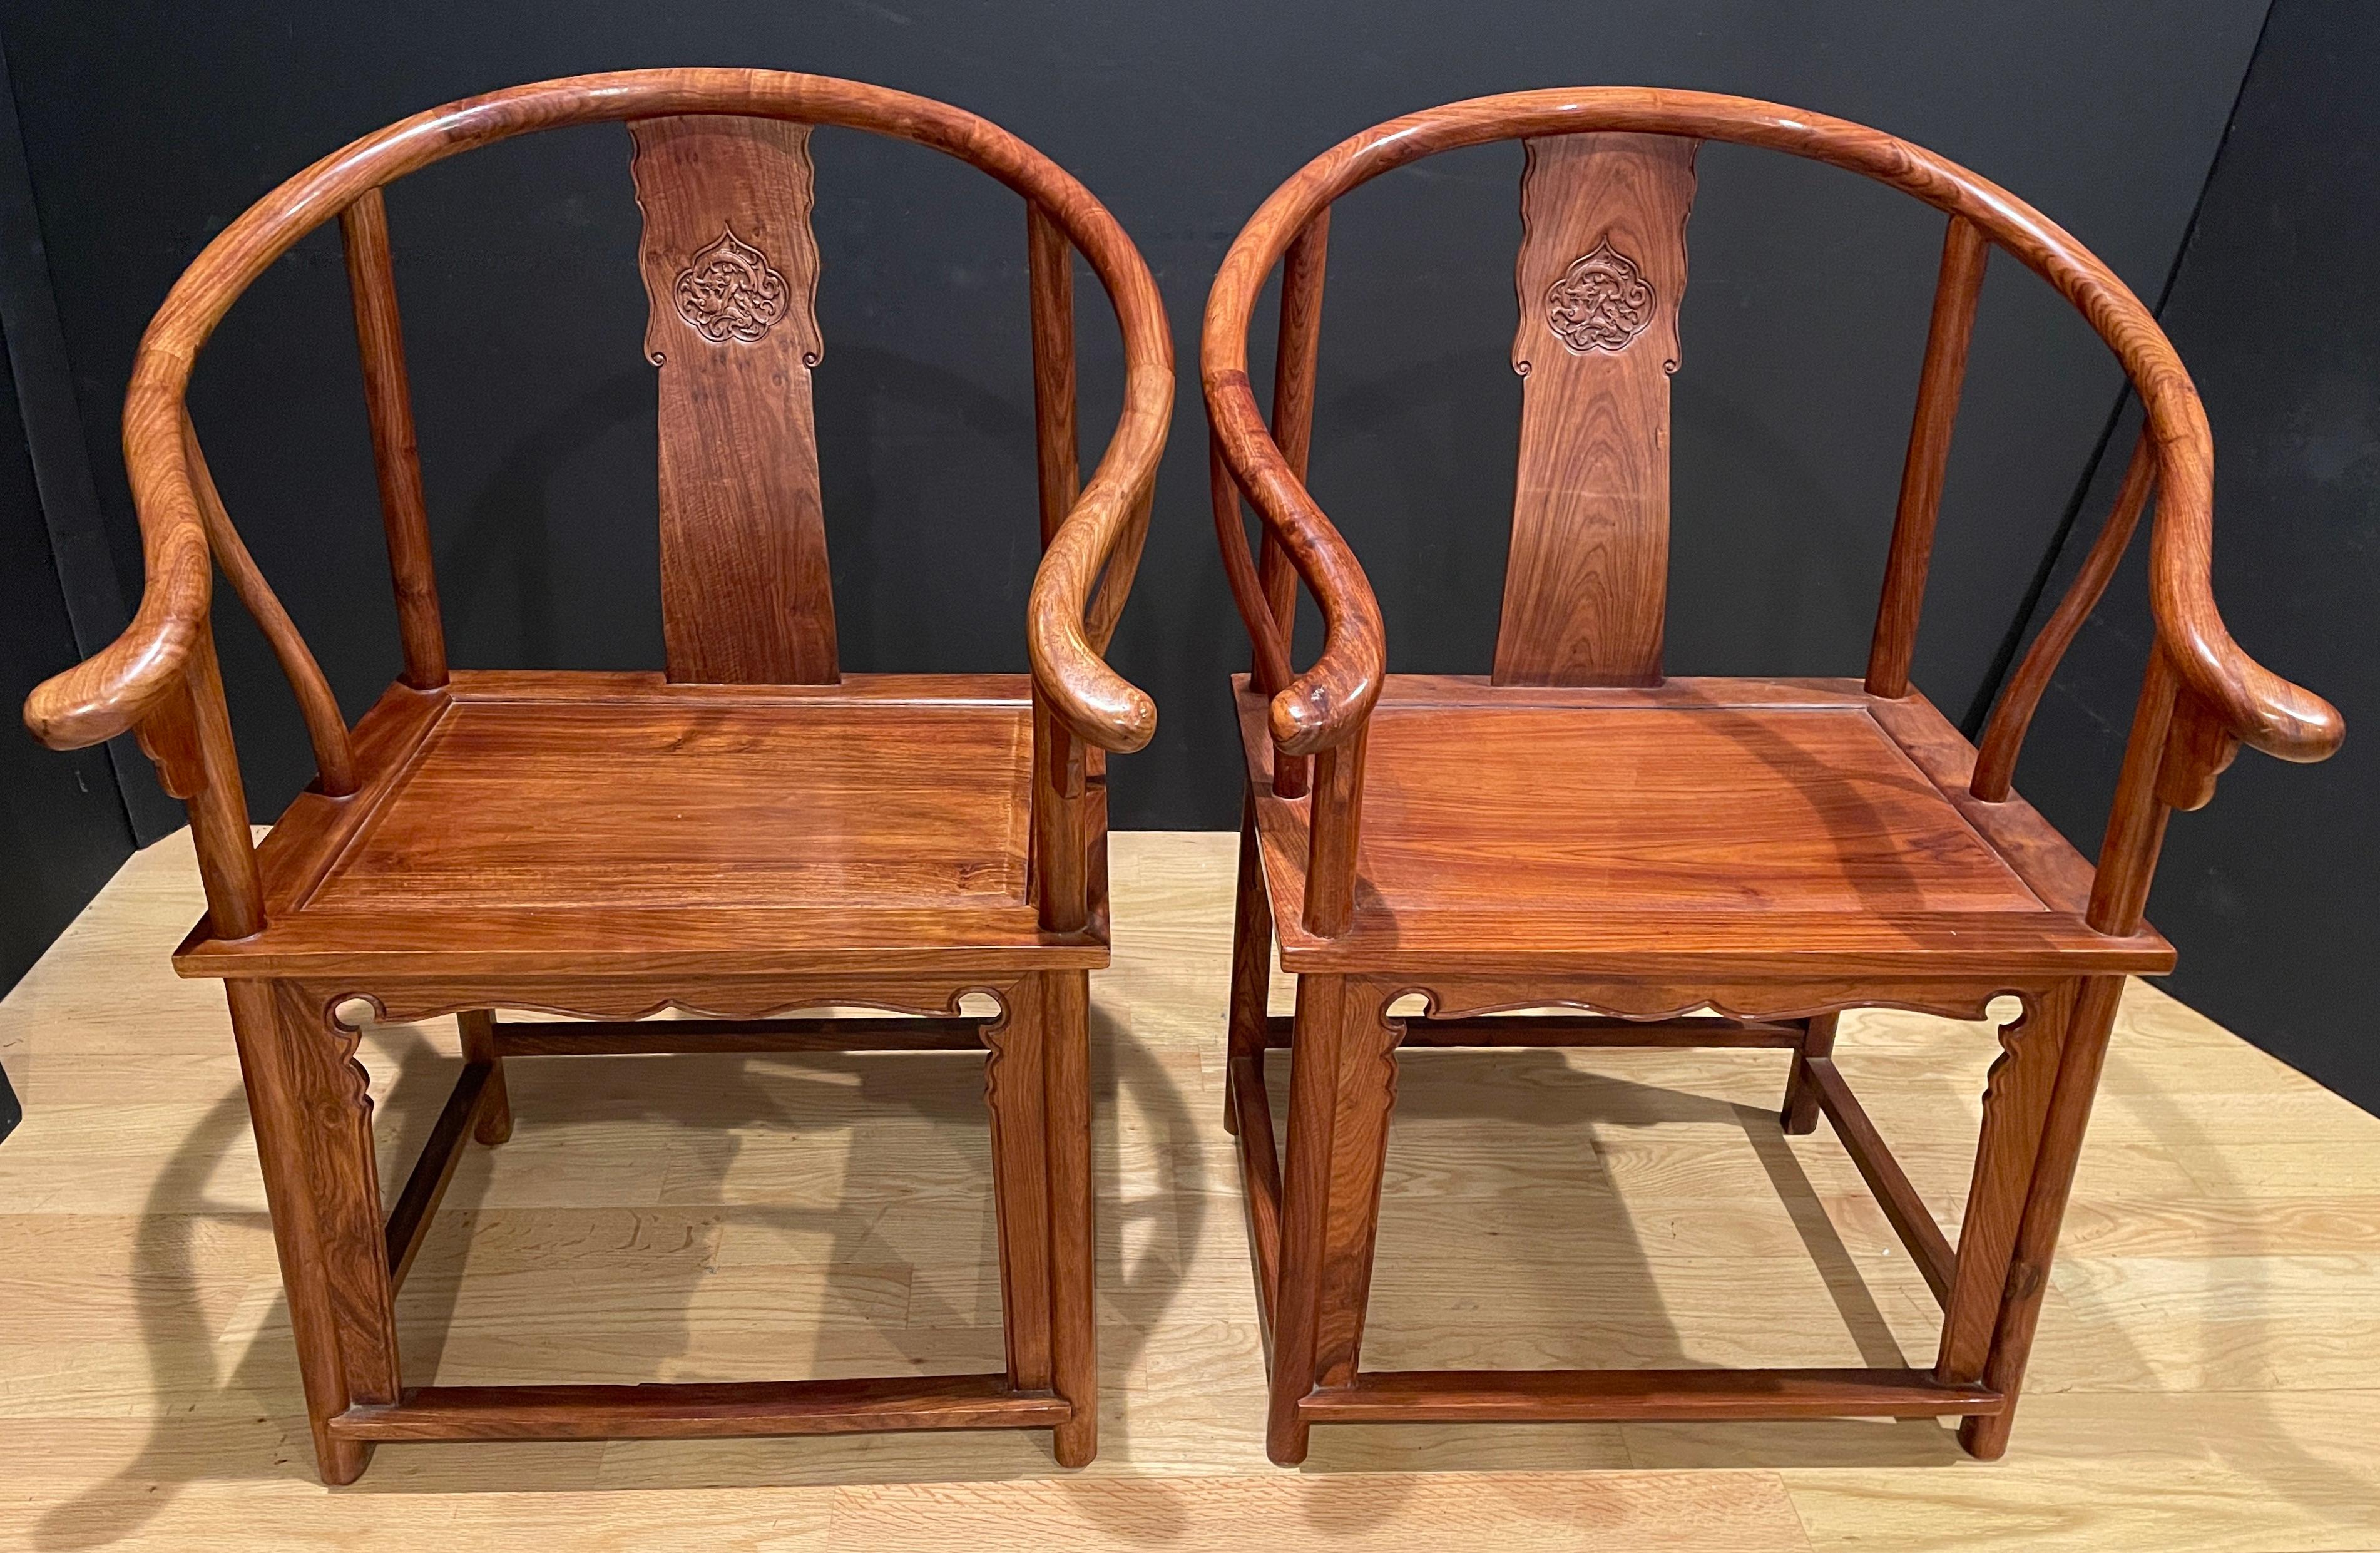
<point x="1538" y="1305"/>
<point x="1620" y="1318"/>
<point x="948" y="1317"/>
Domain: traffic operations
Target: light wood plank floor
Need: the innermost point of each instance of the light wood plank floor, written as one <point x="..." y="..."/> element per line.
<point x="2208" y="1374"/>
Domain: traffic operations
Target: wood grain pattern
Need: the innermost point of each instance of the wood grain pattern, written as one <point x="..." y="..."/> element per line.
<point x="2012" y="713"/>
<point x="695" y="1410"/>
<point x="1049" y="281"/>
<point x="1557" y="1396"/>
<point x="1731" y="828"/>
<point x="1574" y="833"/>
<point x="1016" y="1095"/>
<point x="1902" y="1205"/>
<point x="1323" y="704"/>
<point x="2199" y="1381"/>
<point x="1965" y="252"/>
<point x="326" y="727"/>
<point x="731" y="273"/>
<point x="744" y="838"/>
<point x="138" y="674"/>
<point x="1601" y="276"/>
<point x="388" y="399"/>
<point x="527" y="805"/>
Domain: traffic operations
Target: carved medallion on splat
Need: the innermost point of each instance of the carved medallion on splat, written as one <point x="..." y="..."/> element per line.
<point x="730" y="272"/>
<point x="730" y="292"/>
<point x="1601" y="271"/>
<point x="1601" y="302"/>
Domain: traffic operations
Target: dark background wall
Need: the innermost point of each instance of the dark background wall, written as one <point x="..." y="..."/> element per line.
<point x="63" y="825"/>
<point x="148" y="128"/>
<point x="2270" y="893"/>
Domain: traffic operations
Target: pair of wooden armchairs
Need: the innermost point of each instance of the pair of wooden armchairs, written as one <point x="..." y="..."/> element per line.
<point x="753" y="834"/>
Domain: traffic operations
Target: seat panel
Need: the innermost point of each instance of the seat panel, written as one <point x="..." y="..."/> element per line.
<point x="1690" y="809"/>
<point x="1756" y="828"/>
<point x="513" y="803"/>
<point x="529" y="824"/>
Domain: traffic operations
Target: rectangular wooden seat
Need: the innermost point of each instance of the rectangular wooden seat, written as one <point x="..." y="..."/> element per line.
<point x="1673" y="827"/>
<point x="604" y="816"/>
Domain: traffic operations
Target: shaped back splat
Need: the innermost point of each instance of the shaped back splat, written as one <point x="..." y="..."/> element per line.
<point x="731" y="274"/>
<point x="1602" y="269"/>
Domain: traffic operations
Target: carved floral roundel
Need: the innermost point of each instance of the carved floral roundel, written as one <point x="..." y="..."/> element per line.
<point x="728" y="291"/>
<point x="1601" y="302"/>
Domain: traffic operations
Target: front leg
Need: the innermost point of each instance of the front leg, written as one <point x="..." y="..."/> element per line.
<point x="2016" y="1104"/>
<point x="2044" y="1208"/>
<point x="310" y="1104"/>
<point x="1251" y="963"/>
<point x="1341" y="1089"/>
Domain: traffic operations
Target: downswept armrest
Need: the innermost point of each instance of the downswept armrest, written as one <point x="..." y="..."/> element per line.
<point x="1067" y="625"/>
<point x="112" y="691"/>
<point x="1326" y="705"/>
<point x="2256" y="705"/>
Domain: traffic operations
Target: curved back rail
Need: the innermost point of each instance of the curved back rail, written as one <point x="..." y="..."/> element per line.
<point x="2202" y="697"/>
<point x="159" y="677"/>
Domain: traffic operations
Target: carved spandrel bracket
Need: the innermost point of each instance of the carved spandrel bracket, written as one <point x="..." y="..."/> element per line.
<point x="2199" y="748"/>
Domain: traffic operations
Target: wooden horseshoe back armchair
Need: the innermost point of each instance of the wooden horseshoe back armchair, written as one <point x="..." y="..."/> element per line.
<point x="1577" y="830"/>
<point x="751" y="833"/>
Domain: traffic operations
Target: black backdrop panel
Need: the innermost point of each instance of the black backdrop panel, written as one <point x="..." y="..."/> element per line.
<point x="63" y="829"/>
<point x="2270" y="893"/>
<point x="150" y="127"/>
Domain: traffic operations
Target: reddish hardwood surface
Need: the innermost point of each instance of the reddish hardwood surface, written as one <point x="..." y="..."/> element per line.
<point x="1324" y="703"/>
<point x="1713" y="826"/>
<point x="741" y="830"/>
<point x="1960" y="286"/>
<point x="730" y="272"/>
<point x="1601" y="275"/>
<point x="745" y="838"/>
<point x="522" y="804"/>
<point x="696" y="1410"/>
<point x="1548" y="1396"/>
<point x="1774" y="852"/>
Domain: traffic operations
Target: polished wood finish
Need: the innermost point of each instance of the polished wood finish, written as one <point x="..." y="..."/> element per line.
<point x="1296" y="358"/>
<point x="2012" y="712"/>
<point x="1965" y="252"/>
<point x="593" y="1037"/>
<point x="1328" y="701"/>
<point x="734" y="1218"/>
<point x="1583" y="1030"/>
<point x="1577" y="1396"/>
<point x="521" y="806"/>
<point x="1707" y="824"/>
<point x="483" y="1045"/>
<point x="1601" y="275"/>
<point x="1910" y="1218"/>
<point x="730" y="272"/>
<point x="1816" y="1043"/>
<point x="1578" y="832"/>
<point x="326" y="726"/>
<point x="388" y="398"/>
<point x="1050" y="279"/>
<point x="693" y="1410"/>
<point x="418" y="1199"/>
<point x="748" y="837"/>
